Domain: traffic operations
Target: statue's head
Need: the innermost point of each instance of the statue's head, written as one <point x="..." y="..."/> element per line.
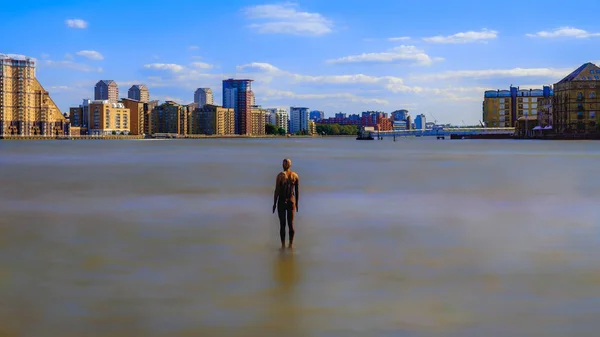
<point x="287" y="163"/>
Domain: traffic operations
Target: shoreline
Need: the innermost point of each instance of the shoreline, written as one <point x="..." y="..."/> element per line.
<point x="139" y="137"/>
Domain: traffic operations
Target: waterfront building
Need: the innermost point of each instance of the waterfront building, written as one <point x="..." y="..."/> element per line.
<point x="316" y="115"/>
<point x="26" y="108"/>
<point x="106" y="90"/>
<point x="399" y="115"/>
<point x="298" y="119"/>
<point x="502" y="108"/>
<point x="80" y="116"/>
<point x="238" y="95"/>
<point x="137" y="114"/>
<point x="203" y="96"/>
<point x="213" y="120"/>
<point x="107" y="118"/>
<point x="312" y="127"/>
<point x="259" y="120"/>
<point x="148" y="108"/>
<point x="170" y="117"/>
<point x="139" y="92"/>
<point x="279" y="117"/>
<point x="575" y="102"/>
<point x="420" y="121"/>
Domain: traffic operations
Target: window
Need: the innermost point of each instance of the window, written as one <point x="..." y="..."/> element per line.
<point x="592" y="95"/>
<point x="592" y="114"/>
<point x="597" y="77"/>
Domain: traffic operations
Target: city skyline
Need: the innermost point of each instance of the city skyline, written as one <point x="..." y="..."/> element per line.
<point x="349" y="58"/>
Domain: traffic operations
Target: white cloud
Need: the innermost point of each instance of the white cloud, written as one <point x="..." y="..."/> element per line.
<point x="193" y="48"/>
<point x="286" y="19"/>
<point x="400" y="38"/>
<point x="76" y="23"/>
<point x="71" y="65"/>
<point x="391" y="83"/>
<point x="90" y="54"/>
<point x="201" y="65"/>
<point x="550" y="73"/>
<point x="165" y="66"/>
<point x="464" y="37"/>
<point x="564" y="32"/>
<point x="45" y="55"/>
<point x="69" y="56"/>
<point x="400" y="53"/>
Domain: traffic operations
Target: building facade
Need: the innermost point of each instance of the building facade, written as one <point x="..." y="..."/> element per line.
<point x="137" y="115"/>
<point x="203" y="96"/>
<point x="237" y="95"/>
<point x="502" y="108"/>
<point x="108" y="118"/>
<point x="279" y="117"/>
<point x="26" y="108"/>
<point x="575" y="102"/>
<point x="259" y="120"/>
<point x="316" y="115"/>
<point x="106" y="90"/>
<point x="400" y="115"/>
<point x="420" y="122"/>
<point x="170" y="117"/>
<point x="213" y="120"/>
<point x="299" y="118"/>
<point x="139" y="92"/>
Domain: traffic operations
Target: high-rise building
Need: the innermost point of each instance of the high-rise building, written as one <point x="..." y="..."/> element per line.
<point x="108" y="118"/>
<point x="203" y="96"/>
<point x="502" y="108"/>
<point x="139" y="92"/>
<point x="420" y="121"/>
<point x="316" y="115"/>
<point x="137" y="114"/>
<point x="576" y="101"/>
<point x="237" y="94"/>
<point x="213" y="120"/>
<point x="279" y="117"/>
<point x="25" y="106"/>
<point x="106" y="90"/>
<point x="299" y="119"/>
<point x="170" y="117"/>
<point x="259" y="120"/>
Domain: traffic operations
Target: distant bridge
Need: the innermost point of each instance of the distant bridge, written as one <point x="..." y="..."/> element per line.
<point x="441" y="132"/>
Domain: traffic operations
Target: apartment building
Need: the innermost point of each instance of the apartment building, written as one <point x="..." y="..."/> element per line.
<point x="108" y="118"/>
<point x="213" y="120"/>
<point x="106" y="90"/>
<point x="26" y="108"/>
<point x="139" y="92"/>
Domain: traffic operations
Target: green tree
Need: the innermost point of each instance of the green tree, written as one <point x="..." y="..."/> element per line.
<point x="281" y="131"/>
<point x="270" y="129"/>
<point x="114" y="132"/>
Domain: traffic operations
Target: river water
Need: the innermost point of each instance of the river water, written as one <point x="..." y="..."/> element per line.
<point x="419" y="237"/>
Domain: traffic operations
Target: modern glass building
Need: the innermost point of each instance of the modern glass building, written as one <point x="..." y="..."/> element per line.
<point x="237" y="94"/>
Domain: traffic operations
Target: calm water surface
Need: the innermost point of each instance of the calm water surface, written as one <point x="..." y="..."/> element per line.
<point x="418" y="237"/>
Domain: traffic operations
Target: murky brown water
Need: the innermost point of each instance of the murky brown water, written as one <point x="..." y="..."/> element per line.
<point x="411" y="238"/>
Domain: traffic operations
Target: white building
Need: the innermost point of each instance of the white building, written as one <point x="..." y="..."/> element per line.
<point x="203" y="96"/>
<point x="299" y="119"/>
<point x="279" y="117"/>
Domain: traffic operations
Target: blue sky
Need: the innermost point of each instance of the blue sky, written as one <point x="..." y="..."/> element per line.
<point x="431" y="57"/>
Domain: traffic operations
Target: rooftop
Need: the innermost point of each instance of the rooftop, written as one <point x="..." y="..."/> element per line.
<point x="585" y="69"/>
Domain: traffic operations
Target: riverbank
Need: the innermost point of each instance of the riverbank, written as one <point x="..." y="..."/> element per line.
<point x="139" y="137"/>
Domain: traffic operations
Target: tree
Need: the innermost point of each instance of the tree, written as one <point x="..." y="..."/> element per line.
<point x="281" y="131"/>
<point x="270" y="129"/>
<point x="114" y="132"/>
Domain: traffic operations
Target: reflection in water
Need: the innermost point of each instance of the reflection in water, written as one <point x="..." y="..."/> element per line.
<point x="286" y="273"/>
